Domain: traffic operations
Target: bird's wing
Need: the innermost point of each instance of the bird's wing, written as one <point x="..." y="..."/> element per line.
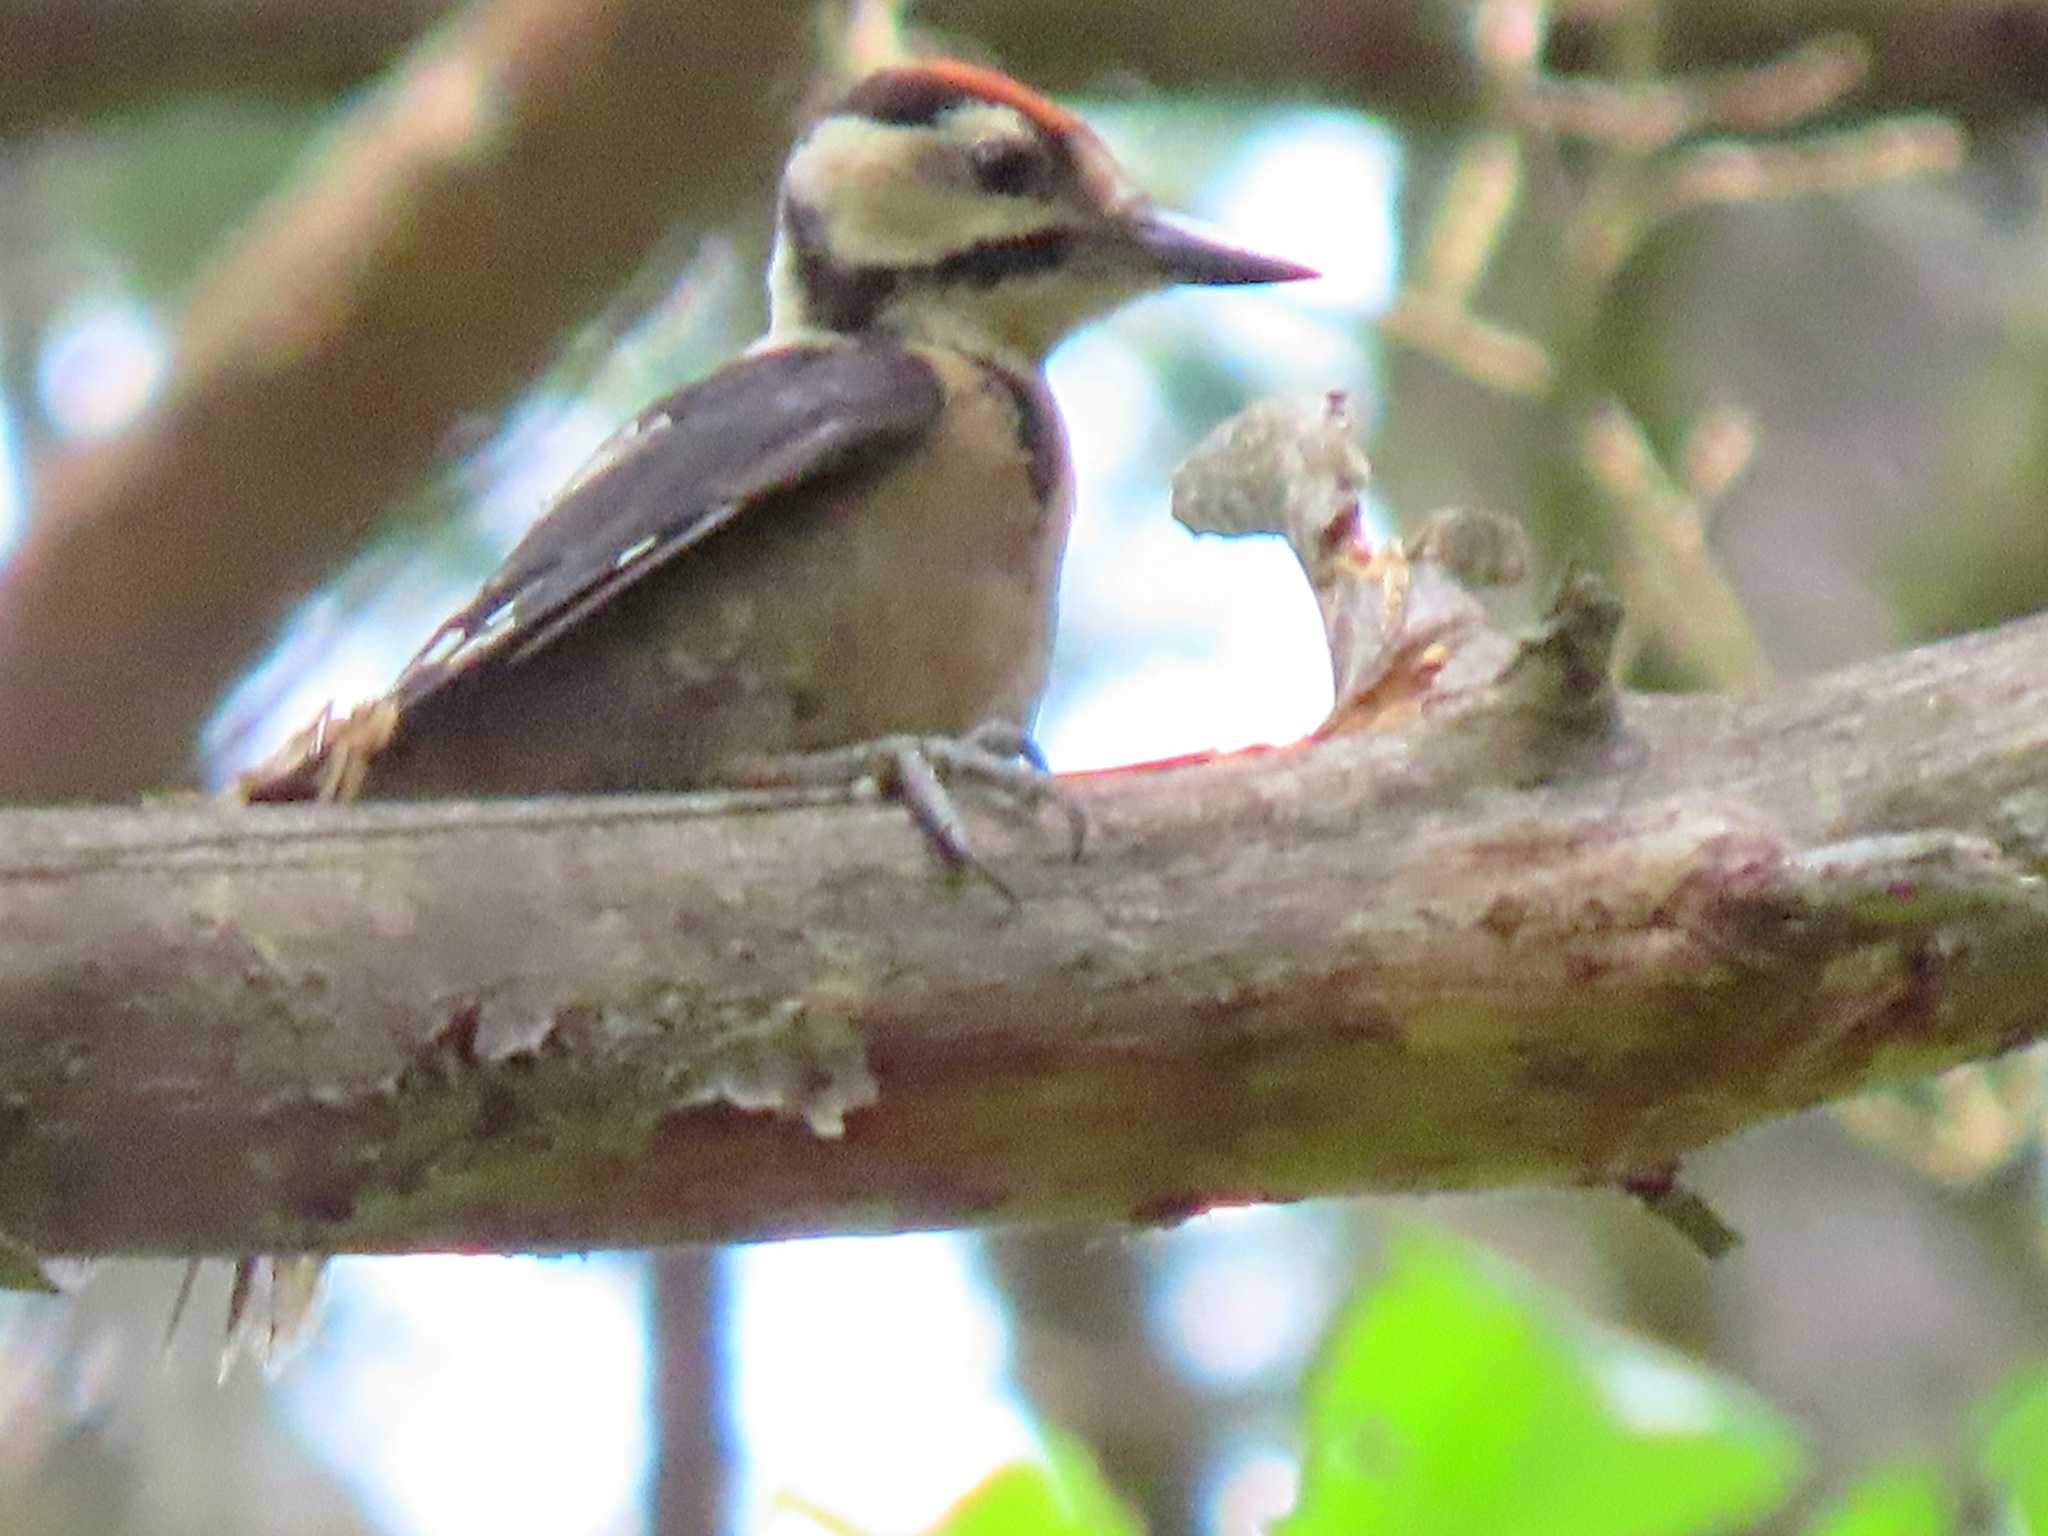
<point x="684" y="468"/>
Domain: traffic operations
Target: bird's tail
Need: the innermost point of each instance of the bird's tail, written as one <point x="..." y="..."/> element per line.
<point x="273" y="1306"/>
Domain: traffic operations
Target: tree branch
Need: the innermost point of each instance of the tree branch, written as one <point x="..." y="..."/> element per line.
<point x="63" y="61"/>
<point x="1491" y="946"/>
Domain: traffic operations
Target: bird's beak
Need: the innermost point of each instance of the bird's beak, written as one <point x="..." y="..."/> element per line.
<point x="1183" y="253"/>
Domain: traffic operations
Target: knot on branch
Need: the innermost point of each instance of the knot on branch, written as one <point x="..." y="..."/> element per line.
<point x="1564" y="671"/>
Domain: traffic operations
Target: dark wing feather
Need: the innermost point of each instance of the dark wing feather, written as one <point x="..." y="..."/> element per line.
<point x="684" y="468"/>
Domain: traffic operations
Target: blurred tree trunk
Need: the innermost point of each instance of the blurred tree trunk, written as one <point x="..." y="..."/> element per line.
<point x="64" y="59"/>
<point x="426" y="263"/>
<point x="691" y="1492"/>
<point x="1087" y="1363"/>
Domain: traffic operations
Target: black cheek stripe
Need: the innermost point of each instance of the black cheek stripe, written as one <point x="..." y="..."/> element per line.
<point x="1037" y="428"/>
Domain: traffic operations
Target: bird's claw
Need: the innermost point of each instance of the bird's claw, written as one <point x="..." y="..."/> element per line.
<point x="1003" y="757"/>
<point x="917" y="770"/>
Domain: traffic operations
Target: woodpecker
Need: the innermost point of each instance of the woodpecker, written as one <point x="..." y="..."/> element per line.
<point x="853" y="530"/>
<point x="850" y="533"/>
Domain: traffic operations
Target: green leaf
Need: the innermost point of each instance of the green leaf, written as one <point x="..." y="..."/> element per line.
<point x="1899" y="1501"/>
<point x="1063" y="1496"/>
<point x="1453" y="1401"/>
<point x="2016" y="1448"/>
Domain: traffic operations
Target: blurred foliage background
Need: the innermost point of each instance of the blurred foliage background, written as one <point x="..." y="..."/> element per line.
<point x="1745" y="303"/>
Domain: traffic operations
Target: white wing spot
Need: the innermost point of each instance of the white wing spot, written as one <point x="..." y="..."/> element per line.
<point x="483" y="637"/>
<point x="446" y="643"/>
<point x="612" y="450"/>
<point x="632" y="552"/>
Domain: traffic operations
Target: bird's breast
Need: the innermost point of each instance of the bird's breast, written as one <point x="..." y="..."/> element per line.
<point x="923" y="600"/>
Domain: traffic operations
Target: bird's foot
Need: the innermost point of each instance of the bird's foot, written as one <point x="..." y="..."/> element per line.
<point x="919" y="772"/>
<point x="327" y="760"/>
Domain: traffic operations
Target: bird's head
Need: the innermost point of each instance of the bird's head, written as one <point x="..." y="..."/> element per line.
<point x="948" y="203"/>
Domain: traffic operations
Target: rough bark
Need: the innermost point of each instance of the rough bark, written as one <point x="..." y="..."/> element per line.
<point x="1500" y="944"/>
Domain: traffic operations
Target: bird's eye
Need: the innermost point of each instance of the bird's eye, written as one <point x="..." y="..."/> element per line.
<point x="1006" y="167"/>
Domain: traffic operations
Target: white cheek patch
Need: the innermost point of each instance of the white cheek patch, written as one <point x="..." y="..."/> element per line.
<point x="895" y="196"/>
